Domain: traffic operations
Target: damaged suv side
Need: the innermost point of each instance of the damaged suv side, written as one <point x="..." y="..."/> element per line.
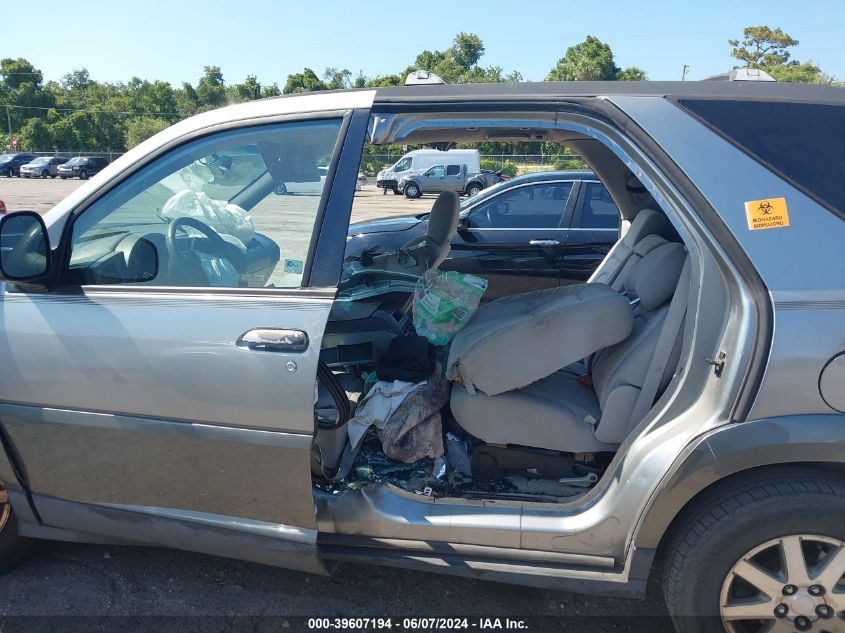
<point x="175" y="318"/>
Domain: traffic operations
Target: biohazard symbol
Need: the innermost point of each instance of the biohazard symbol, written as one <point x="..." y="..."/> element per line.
<point x="767" y="214"/>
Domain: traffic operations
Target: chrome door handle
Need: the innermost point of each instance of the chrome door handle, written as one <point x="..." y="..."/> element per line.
<point x="274" y="340"/>
<point x="544" y="243"/>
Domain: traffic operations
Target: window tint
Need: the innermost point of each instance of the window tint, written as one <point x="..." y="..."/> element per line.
<point x="210" y="213"/>
<point x="403" y="164"/>
<point x="436" y="172"/>
<point x="532" y="206"/>
<point x="453" y="170"/>
<point x="599" y="210"/>
<point x="801" y="142"/>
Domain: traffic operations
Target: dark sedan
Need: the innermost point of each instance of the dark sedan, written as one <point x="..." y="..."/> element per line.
<point x="534" y="231"/>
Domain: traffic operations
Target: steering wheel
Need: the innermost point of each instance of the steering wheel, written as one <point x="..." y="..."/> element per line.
<point x="184" y="263"/>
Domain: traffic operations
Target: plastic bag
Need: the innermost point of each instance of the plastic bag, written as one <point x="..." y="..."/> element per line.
<point x="226" y="219"/>
<point x="444" y="302"/>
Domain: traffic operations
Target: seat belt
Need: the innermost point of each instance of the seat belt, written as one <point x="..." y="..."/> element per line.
<point x="663" y="350"/>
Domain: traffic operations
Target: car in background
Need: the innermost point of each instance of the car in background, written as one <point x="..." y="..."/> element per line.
<point x="10" y="164"/>
<point x="43" y="166"/>
<point x="446" y="177"/>
<point x="82" y="167"/>
<point x="531" y="232"/>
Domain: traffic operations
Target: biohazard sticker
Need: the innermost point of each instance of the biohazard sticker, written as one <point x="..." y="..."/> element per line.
<point x="767" y="214"/>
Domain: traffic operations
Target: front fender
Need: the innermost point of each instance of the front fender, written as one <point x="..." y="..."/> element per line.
<point x="737" y="447"/>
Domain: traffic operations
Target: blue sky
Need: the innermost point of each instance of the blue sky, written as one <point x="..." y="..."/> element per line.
<point x="172" y="40"/>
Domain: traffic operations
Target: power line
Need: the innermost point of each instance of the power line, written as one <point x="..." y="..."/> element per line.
<point x="91" y="111"/>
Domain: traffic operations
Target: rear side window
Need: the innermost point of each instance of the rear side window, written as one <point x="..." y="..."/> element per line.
<point x="800" y="142"/>
<point x="453" y="170"/>
<point x="599" y="210"/>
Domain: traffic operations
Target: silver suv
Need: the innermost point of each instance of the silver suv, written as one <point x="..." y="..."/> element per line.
<point x="167" y="326"/>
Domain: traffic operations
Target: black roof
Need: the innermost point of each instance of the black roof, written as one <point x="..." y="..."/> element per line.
<point x="555" y="90"/>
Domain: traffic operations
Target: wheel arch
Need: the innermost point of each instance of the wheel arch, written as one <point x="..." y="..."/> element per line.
<point x="737" y="451"/>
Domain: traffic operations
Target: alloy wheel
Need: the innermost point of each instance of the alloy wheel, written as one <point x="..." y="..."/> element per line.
<point x="791" y="583"/>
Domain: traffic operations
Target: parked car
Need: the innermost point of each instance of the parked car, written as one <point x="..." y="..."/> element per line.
<point x="10" y="164"/>
<point x="534" y="231"/>
<point x="43" y="166"/>
<point x="421" y="159"/>
<point x="82" y="167"/>
<point x="447" y="177"/>
<point x="180" y="359"/>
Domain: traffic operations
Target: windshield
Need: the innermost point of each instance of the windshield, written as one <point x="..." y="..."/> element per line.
<point x="5" y="157"/>
<point x="74" y="161"/>
<point x="40" y="161"/>
<point x="403" y="164"/>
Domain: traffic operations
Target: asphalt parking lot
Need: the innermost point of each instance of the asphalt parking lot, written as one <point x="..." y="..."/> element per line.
<point x="69" y="586"/>
<point x="40" y="195"/>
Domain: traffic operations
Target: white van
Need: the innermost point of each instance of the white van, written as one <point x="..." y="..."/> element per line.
<point x="423" y="158"/>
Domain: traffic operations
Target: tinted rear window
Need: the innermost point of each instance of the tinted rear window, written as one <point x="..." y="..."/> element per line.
<point x="801" y="142"/>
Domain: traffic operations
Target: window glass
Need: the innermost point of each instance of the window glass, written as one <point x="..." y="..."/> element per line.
<point x="403" y="164"/>
<point x="527" y="207"/>
<point x="801" y="142"/>
<point x="453" y="170"/>
<point x="436" y="172"/>
<point x="216" y="212"/>
<point x="599" y="212"/>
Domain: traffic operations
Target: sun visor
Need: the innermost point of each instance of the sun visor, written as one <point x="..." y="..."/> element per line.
<point x="290" y="162"/>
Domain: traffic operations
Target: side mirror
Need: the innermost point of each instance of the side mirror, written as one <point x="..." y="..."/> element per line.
<point x="463" y="223"/>
<point x="24" y="247"/>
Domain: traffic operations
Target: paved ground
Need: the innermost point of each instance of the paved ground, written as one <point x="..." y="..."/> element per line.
<point x="96" y="581"/>
<point x="104" y="582"/>
<point x="41" y="195"/>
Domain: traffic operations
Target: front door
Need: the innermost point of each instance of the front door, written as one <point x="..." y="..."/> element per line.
<point x="163" y="391"/>
<point x="516" y="239"/>
<point x="434" y="179"/>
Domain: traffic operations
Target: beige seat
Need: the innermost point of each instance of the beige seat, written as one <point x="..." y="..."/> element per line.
<point x="556" y="411"/>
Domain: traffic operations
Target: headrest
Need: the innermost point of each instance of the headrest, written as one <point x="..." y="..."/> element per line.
<point x="656" y="275"/>
<point x="648" y="221"/>
<point x="648" y="244"/>
<point x="443" y="220"/>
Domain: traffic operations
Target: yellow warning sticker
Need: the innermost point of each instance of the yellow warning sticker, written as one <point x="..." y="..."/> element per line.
<point x="766" y="214"/>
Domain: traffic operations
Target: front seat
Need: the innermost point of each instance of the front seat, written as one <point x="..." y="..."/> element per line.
<point x="558" y="411"/>
<point x="433" y="247"/>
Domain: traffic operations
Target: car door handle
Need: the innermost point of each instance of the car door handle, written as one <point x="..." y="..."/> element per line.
<point x="274" y="340"/>
<point x="544" y="243"/>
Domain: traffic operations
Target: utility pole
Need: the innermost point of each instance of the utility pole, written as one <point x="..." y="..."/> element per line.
<point x="9" y="121"/>
<point x="684" y="73"/>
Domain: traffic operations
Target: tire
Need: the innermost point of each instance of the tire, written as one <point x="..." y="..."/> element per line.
<point x="473" y="189"/>
<point x="746" y="525"/>
<point x="396" y="192"/>
<point x="52" y="175"/>
<point x="45" y="173"/>
<point x="63" y="177"/>
<point x="280" y="190"/>
<point x="83" y="175"/>
<point x="13" y="546"/>
<point x="412" y="190"/>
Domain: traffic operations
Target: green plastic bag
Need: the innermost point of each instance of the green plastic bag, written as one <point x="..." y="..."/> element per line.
<point x="444" y="302"/>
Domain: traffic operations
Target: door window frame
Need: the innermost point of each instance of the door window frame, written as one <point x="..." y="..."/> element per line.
<point x="565" y="218"/>
<point x="64" y="248"/>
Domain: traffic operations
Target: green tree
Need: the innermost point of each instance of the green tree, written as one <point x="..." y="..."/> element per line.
<point x="139" y="129"/>
<point x="768" y="49"/>
<point x="336" y="79"/>
<point x="591" y="60"/>
<point x="762" y="46"/>
<point x="211" y="89"/>
<point x="306" y="81"/>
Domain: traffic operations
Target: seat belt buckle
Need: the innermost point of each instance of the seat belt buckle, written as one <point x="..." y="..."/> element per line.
<point x="586" y="380"/>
